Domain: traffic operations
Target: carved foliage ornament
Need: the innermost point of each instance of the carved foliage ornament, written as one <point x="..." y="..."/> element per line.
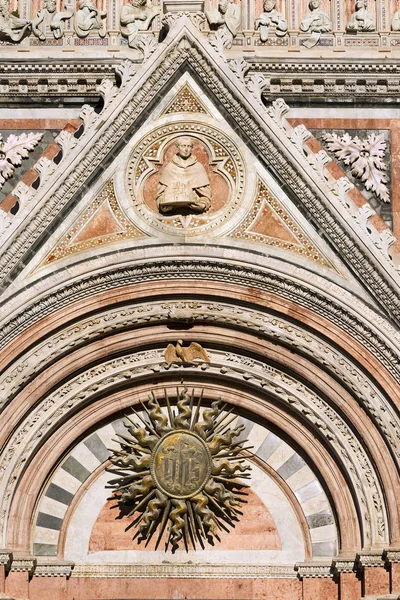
<point x="365" y="158"/>
<point x="13" y="150"/>
<point x="178" y="472"/>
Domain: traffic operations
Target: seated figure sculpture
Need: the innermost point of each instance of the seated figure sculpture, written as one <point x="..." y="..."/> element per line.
<point x="136" y="16"/>
<point x="88" y="18"/>
<point x="316" y="22"/>
<point x="361" y="20"/>
<point x="11" y="27"/>
<point x="184" y="183"/>
<point x="270" y="18"/>
<point x="47" y="20"/>
<point x="225" y="18"/>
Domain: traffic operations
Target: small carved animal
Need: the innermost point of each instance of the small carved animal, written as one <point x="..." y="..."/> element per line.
<point x="191" y="354"/>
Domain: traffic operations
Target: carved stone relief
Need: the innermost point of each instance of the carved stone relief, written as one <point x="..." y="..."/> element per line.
<point x="88" y="18"/>
<point x="270" y="19"/>
<point x="11" y="27"/>
<point x="136" y="16"/>
<point x="13" y="150"/>
<point x="194" y="193"/>
<point x="316" y="22"/>
<point x="50" y="22"/>
<point x="361" y="20"/>
<point x="226" y="20"/>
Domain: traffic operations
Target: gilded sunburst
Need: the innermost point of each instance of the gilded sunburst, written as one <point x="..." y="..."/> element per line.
<point x="177" y="472"/>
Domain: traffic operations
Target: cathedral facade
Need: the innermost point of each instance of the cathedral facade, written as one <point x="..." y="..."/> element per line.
<point x="199" y="300"/>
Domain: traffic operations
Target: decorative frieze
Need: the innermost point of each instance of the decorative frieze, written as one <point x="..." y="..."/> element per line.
<point x="23" y="564"/>
<point x="314" y="570"/>
<point x="53" y="568"/>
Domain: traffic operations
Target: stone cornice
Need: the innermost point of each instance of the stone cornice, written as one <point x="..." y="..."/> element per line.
<point x="391" y="555"/>
<point x="6" y="558"/>
<point x="186" y="571"/>
<point x="47" y="567"/>
<point x="23" y="564"/>
<point x="314" y="570"/>
<point x="370" y="559"/>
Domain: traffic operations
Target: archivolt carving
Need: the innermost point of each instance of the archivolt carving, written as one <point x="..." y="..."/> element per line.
<point x="114" y="320"/>
<point x="104" y="378"/>
<point x="203" y="269"/>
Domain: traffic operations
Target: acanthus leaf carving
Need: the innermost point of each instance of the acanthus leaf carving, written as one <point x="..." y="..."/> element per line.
<point x="256" y="85"/>
<point x="66" y="141"/>
<point x="365" y="157"/>
<point x="13" y="150"/>
<point x="277" y="112"/>
<point x="239" y="66"/>
<point x="125" y="70"/>
<point x="88" y="116"/>
<point x="107" y="91"/>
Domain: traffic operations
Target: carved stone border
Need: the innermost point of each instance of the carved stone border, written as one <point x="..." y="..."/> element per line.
<point x="113" y="320"/>
<point x="203" y="269"/>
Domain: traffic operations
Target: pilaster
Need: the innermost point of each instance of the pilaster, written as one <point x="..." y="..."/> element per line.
<point x="392" y="561"/>
<point x="375" y="576"/>
<point x="317" y="578"/>
<point x="17" y="582"/>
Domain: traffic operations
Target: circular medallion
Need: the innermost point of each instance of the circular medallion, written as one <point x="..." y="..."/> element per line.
<point x="181" y="464"/>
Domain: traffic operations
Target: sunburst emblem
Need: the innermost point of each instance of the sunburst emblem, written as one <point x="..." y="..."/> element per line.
<point x="178" y="471"/>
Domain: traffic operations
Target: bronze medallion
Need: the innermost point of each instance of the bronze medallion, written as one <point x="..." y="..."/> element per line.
<point x="181" y="464"/>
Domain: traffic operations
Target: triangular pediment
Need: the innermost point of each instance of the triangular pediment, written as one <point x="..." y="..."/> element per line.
<point x="270" y="189"/>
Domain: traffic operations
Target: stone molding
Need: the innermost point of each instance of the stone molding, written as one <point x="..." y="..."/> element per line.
<point x="370" y="559"/>
<point x="273" y="327"/>
<point x="288" y="77"/>
<point x="6" y="557"/>
<point x="343" y="565"/>
<point x="203" y="269"/>
<point x="321" y="418"/>
<point x="183" y="45"/>
<point x="23" y="564"/>
<point x="314" y="570"/>
<point x="53" y="568"/>
<point x="391" y="556"/>
<point x="186" y="571"/>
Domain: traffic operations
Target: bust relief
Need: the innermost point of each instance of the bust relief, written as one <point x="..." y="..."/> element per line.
<point x="361" y="20"/>
<point x="88" y="18"/>
<point x="315" y="22"/>
<point x="11" y="27"/>
<point x="136" y="16"/>
<point x="270" y="18"/>
<point x="48" y="20"/>
<point x="184" y="183"/>
<point x="226" y="19"/>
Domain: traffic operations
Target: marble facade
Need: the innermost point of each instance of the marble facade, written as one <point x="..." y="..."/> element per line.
<point x="179" y="175"/>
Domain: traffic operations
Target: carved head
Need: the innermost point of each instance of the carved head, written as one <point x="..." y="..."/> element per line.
<point x="313" y="5"/>
<point x="361" y="4"/>
<point x="269" y="5"/>
<point x="50" y="5"/>
<point x="185" y="146"/>
<point x="223" y="6"/>
<point x="138" y="3"/>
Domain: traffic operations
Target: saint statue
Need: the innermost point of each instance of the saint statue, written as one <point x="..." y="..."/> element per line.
<point x="225" y="18"/>
<point x="184" y="183"/>
<point x="361" y="20"/>
<point x="316" y="22"/>
<point x="88" y="18"/>
<point x="136" y="16"/>
<point x="270" y="18"/>
<point x="11" y="27"/>
<point x="49" y="20"/>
